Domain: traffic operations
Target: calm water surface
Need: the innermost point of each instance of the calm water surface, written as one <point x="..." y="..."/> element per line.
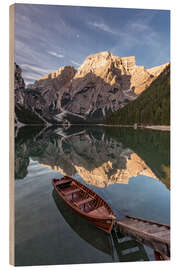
<point x="128" y="168"/>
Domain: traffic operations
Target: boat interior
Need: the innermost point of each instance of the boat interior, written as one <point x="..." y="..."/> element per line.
<point x="82" y="198"/>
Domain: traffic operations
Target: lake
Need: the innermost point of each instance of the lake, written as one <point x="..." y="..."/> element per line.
<point x="129" y="168"/>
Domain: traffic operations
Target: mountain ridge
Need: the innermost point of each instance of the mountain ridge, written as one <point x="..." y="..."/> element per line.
<point x="103" y="84"/>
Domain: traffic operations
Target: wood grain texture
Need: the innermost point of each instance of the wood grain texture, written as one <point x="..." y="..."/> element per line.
<point x="11" y="135"/>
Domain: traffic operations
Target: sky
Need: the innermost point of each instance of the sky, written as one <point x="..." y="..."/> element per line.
<point x="48" y="36"/>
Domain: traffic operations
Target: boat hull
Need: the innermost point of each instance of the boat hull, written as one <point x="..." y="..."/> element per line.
<point x="104" y="223"/>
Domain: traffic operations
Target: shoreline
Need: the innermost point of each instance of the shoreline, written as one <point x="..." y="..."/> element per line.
<point x="158" y="127"/>
<point x="162" y="128"/>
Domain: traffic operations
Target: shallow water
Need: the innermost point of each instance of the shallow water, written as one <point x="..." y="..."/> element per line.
<point x="128" y="168"/>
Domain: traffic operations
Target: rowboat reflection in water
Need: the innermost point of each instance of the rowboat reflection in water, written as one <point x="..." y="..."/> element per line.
<point x="119" y="247"/>
<point x="97" y="238"/>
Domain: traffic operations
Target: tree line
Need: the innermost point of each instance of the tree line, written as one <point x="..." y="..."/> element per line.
<point x="152" y="107"/>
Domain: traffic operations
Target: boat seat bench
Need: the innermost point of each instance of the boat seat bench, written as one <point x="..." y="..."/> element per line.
<point x="63" y="181"/>
<point x="79" y="203"/>
<point x="71" y="191"/>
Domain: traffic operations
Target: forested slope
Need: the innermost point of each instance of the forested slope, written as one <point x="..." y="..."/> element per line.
<point x="151" y="107"/>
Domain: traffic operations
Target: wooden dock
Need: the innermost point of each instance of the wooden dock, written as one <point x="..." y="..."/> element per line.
<point x="151" y="233"/>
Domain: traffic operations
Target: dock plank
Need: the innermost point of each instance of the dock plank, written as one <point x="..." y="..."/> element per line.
<point x="152" y="230"/>
<point x="156" y="236"/>
<point x="163" y="234"/>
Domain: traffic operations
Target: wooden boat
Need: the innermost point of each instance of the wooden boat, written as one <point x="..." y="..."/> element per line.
<point x="96" y="238"/>
<point x="85" y="202"/>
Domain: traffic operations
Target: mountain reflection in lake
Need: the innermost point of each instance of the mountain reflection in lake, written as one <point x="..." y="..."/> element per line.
<point x="129" y="168"/>
<point x="99" y="159"/>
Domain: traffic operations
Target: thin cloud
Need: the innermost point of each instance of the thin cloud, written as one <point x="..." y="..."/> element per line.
<point x="31" y="73"/>
<point x="102" y="26"/>
<point x="36" y="69"/>
<point x="139" y="27"/>
<point x="56" y="54"/>
<point x="30" y="76"/>
<point x="143" y="32"/>
<point x="130" y="33"/>
<point x="75" y="63"/>
<point x="46" y="38"/>
<point x="26" y="52"/>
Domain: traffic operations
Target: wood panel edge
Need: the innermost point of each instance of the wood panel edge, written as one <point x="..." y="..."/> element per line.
<point x="11" y="136"/>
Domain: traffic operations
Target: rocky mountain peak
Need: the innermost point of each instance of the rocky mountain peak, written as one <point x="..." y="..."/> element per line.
<point x="155" y="71"/>
<point x="103" y="84"/>
<point x="51" y="88"/>
<point x="104" y="62"/>
<point x="62" y="71"/>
